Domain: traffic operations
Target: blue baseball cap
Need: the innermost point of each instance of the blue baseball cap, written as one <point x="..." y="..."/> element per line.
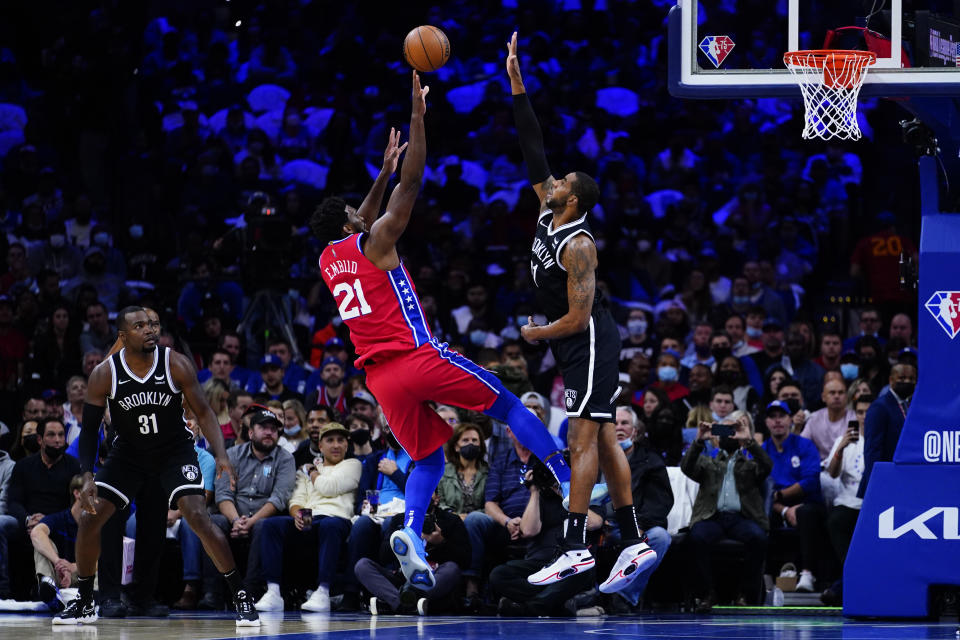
<point x="270" y="360"/>
<point x="333" y="342"/>
<point x="778" y="405"/>
<point x="331" y="360"/>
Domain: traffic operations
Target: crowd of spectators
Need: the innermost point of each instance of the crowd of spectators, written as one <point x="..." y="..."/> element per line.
<point x="170" y="154"/>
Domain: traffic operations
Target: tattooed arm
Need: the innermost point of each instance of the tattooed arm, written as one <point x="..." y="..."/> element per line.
<point x="580" y="260"/>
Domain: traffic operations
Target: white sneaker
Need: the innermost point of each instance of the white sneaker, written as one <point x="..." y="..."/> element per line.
<point x="319" y="601"/>
<point x="567" y="563"/>
<point x="271" y="601"/>
<point x="630" y="564"/>
<point x="805" y="583"/>
<point x="422" y="606"/>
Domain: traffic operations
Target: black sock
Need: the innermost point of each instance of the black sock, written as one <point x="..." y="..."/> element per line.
<point x="576" y="529"/>
<point x="627" y="521"/>
<point x="233" y="581"/>
<point x="85" y="586"/>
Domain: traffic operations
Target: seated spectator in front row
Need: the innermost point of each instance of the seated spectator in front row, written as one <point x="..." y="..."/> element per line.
<point x="542" y="523"/>
<point x="264" y="483"/>
<point x="370" y="528"/>
<point x="448" y="552"/>
<point x="845" y="463"/>
<point x="729" y="504"/>
<point x="797" y="499"/>
<point x="39" y="485"/>
<point x="320" y="512"/>
<point x="54" y="545"/>
<point x="464" y="480"/>
<point x="652" y="500"/>
<point x="498" y="524"/>
<point x="825" y="426"/>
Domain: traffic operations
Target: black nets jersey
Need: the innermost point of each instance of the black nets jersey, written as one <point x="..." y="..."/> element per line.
<point x="147" y="413"/>
<point x="549" y="275"/>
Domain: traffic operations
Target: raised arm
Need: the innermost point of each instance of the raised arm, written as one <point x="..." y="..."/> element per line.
<point x="381" y="246"/>
<point x="528" y="128"/>
<point x="579" y="259"/>
<point x="370" y="208"/>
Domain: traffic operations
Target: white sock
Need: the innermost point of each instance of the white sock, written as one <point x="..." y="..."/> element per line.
<point x="274" y="588"/>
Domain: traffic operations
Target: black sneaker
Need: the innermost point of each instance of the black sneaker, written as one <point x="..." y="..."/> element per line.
<point x="113" y="608"/>
<point x="148" y="609"/>
<point x="49" y="593"/>
<point x="246" y="613"/>
<point x="347" y="602"/>
<point x="79" y="611"/>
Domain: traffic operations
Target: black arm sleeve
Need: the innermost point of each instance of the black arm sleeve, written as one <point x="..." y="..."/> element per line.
<point x="90" y="436"/>
<point x="531" y="139"/>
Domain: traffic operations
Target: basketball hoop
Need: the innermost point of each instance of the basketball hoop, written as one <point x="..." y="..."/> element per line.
<point x="830" y="81"/>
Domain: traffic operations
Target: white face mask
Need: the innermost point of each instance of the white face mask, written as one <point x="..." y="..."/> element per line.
<point x="291" y="431"/>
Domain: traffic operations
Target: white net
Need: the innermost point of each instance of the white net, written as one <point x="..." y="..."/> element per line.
<point x="830" y="82"/>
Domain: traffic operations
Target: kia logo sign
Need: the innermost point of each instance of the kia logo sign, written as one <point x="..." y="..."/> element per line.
<point x="918" y="525"/>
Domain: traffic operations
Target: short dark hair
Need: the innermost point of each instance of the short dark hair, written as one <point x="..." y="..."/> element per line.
<point x="221" y="351"/>
<point x="586" y="190"/>
<point x="279" y="340"/>
<point x="122" y="323"/>
<point x="328" y="219"/>
<point x="234" y="397"/>
<point x="44" y="421"/>
<point x="331" y="414"/>
<point x="721" y="389"/>
<point x="95" y="303"/>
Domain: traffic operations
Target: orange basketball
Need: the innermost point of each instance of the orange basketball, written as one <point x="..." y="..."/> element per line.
<point x="426" y="48"/>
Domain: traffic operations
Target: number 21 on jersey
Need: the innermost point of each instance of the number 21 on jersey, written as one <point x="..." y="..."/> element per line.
<point x="346" y="310"/>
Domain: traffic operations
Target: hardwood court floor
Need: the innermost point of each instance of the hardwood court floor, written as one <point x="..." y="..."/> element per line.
<point x="294" y="626"/>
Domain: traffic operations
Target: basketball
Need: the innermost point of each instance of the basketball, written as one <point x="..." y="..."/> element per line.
<point x="426" y="48"/>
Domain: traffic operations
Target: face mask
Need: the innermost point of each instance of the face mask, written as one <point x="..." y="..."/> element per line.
<point x="903" y="389"/>
<point x="626" y="444"/>
<point x="95" y="268"/>
<point x="742" y="300"/>
<point x="667" y="374"/>
<point x="754" y="332"/>
<point x="136" y="231"/>
<point x="867" y="362"/>
<point x="360" y="437"/>
<point x="54" y="452"/>
<point x="719" y="353"/>
<point x="849" y="371"/>
<point x="291" y="431"/>
<point x="58" y="240"/>
<point x="31" y="444"/>
<point x="728" y="378"/>
<point x="470" y="451"/>
<point x="102" y="239"/>
<point x="643" y="246"/>
<point x="637" y="327"/>
<point x="478" y="337"/>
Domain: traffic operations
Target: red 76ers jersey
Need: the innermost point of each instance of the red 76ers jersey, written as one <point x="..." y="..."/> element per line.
<point x="381" y="308"/>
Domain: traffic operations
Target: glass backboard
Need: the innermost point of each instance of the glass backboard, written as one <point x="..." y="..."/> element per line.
<point x="734" y="48"/>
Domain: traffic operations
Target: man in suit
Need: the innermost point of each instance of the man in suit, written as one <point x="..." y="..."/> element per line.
<point x="885" y="419"/>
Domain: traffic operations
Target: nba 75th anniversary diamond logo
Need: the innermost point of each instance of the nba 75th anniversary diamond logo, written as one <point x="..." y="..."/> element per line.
<point x="944" y="306"/>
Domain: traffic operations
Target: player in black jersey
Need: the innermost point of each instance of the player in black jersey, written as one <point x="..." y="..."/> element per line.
<point x="145" y="385"/>
<point x="586" y="345"/>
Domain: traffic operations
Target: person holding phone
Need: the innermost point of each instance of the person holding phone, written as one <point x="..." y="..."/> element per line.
<point x="846" y="464"/>
<point x="729" y="503"/>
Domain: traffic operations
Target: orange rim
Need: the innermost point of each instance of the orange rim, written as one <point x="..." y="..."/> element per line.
<point x="819" y="57"/>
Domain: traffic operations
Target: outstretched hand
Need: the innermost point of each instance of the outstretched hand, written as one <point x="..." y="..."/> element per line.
<point x="391" y="155"/>
<point x="419" y="96"/>
<point x="513" y="62"/>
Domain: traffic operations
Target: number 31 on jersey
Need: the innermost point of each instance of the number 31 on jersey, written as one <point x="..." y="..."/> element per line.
<point x="346" y="310"/>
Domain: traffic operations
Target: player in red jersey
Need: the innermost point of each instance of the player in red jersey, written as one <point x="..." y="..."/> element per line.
<point x="406" y="366"/>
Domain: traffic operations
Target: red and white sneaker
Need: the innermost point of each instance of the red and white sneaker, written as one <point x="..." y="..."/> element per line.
<point x="568" y="562"/>
<point x="631" y="563"/>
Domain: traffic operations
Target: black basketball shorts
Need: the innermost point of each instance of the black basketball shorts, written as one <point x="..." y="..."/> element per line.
<point x="124" y="473"/>
<point x="589" y="363"/>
